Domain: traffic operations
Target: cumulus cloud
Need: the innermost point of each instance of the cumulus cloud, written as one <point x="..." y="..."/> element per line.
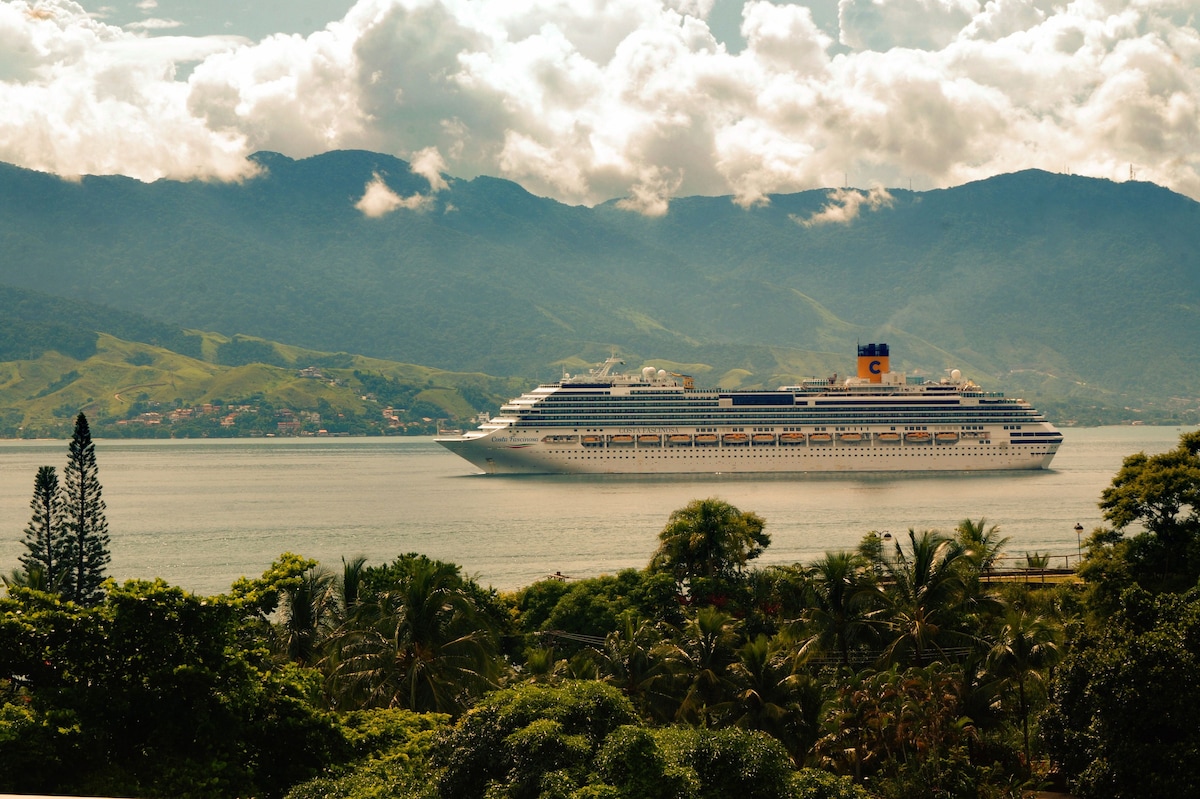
<point x="627" y="99"/>
<point x="379" y="200"/>
<point x="844" y="205"/>
<point x="428" y="164"/>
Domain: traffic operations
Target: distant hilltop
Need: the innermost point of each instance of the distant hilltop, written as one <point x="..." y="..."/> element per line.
<point x="1079" y="293"/>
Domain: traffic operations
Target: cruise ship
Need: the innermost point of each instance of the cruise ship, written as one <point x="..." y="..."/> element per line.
<point x="656" y="422"/>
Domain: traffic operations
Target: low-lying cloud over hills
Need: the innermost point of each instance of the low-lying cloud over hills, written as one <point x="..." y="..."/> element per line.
<point x="643" y="100"/>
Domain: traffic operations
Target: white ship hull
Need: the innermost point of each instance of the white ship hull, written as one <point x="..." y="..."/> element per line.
<point x="504" y="452"/>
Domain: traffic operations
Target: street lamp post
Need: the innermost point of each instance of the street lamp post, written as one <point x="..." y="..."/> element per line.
<point x="1079" y="542"/>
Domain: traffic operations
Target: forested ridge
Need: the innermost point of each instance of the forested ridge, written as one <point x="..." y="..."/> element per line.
<point x="137" y="377"/>
<point x="899" y="669"/>
<point x="1081" y="294"/>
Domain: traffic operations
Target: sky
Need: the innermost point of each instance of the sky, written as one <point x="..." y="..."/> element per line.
<point x="591" y="100"/>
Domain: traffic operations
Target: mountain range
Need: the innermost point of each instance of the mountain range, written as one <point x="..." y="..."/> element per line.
<point x="1080" y="294"/>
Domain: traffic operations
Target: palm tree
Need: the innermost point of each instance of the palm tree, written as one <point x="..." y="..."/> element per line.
<point x="32" y="577"/>
<point x="632" y="661"/>
<point x="699" y="664"/>
<point x="349" y="589"/>
<point x="1026" y="644"/>
<point x="709" y="539"/>
<point x="982" y="544"/>
<point x="923" y="594"/>
<point x="843" y="605"/>
<point x="769" y="694"/>
<point x="542" y="666"/>
<point x="308" y="615"/>
<point x="422" y="645"/>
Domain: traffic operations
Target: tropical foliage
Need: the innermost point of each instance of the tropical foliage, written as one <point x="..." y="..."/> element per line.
<point x="902" y="669"/>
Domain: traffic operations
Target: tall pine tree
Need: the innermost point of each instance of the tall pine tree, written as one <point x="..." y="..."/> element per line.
<point x="44" y="538"/>
<point x="85" y="529"/>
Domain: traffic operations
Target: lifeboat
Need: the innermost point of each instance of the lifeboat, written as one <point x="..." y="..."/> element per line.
<point x="918" y="437"/>
<point x="763" y="438"/>
<point x="706" y="439"/>
<point x="820" y="438"/>
<point x="620" y="440"/>
<point x="791" y="438"/>
<point x="946" y="438"/>
<point x="889" y="438"/>
<point x="560" y="439"/>
<point x="649" y="440"/>
<point x="679" y="439"/>
<point x="850" y="438"/>
<point x="593" y="441"/>
<point x="736" y="439"/>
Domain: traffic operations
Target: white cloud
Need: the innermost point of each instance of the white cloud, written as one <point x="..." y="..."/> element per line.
<point x="153" y="24"/>
<point x="844" y="206"/>
<point x="632" y="99"/>
<point x="379" y="200"/>
<point x="147" y="5"/>
<point x="428" y="164"/>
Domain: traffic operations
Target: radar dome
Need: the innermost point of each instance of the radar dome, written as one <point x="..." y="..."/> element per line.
<point x="648" y="373"/>
<point x="955" y="375"/>
<point x="662" y="374"/>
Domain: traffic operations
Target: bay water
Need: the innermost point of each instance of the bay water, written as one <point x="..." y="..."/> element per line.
<point x="201" y="513"/>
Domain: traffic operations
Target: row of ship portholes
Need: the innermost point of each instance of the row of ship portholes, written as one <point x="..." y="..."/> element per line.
<point x="782" y="455"/>
<point x="598" y="442"/>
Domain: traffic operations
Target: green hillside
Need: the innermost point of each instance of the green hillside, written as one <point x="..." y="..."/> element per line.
<point x="1081" y="294"/>
<point x="139" y="390"/>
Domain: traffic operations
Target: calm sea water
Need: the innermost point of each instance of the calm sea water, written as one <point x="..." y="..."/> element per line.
<point x="202" y="513"/>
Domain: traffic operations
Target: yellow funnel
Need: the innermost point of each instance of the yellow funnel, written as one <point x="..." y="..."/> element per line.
<point x="873" y="362"/>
